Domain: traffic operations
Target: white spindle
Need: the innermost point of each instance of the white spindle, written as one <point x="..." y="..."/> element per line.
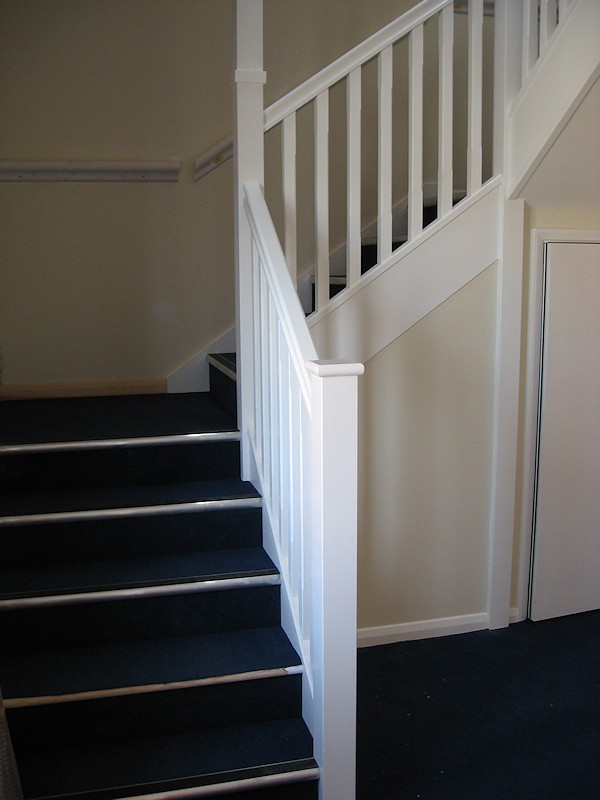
<point x="384" y="214"/>
<point x="445" y="106"/>
<point x="475" y="89"/>
<point x="322" y="198"/>
<point x="249" y="78"/>
<point x="415" y="133"/>
<point x="289" y="194"/>
<point x="353" y="103"/>
<point x="530" y="37"/>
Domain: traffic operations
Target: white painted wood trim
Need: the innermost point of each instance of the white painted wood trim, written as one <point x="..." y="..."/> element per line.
<point x="90" y="171"/>
<point x="213" y="158"/>
<point x="539" y="237"/>
<point x="322" y="198"/>
<point x="552" y="94"/>
<point x="355" y="324"/>
<point x="353" y="194"/>
<point x="354" y="58"/>
<point x="384" y="159"/>
<point x="415" y="133"/>
<point x="530" y="38"/>
<point x="290" y="222"/>
<point x="193" y="375"/>
<point x="506" y="413"/>
<point x="445" y="110"/>
<point x="248" y="133"/>
<point x="475" y="96"/>
<point x="422" y="629"/>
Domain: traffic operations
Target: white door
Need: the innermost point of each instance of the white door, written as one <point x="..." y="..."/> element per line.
<point x="566" y="550"/>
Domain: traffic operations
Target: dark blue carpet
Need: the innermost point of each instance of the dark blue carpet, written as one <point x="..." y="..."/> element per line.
<point x="502" y="715"/>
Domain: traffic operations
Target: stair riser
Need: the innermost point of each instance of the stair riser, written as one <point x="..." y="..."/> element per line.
<point x="136" y="716"/>
<point x="223" y="390"/>
<point x="161" y="534"/>
<point x="123" y="466"/>
<point x="81" y="624"/>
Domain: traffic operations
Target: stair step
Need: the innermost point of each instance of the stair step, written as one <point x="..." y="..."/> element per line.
<point x="111" y="720"/>
<point x="97" y="418"/>
<point x="131" y="536"/>
<point x="47" y="676"/>
<point x="107" y="620"/>
<point x="203" y="566"/>
<point x="168" y="763"/>
<point x="124" y="501"/>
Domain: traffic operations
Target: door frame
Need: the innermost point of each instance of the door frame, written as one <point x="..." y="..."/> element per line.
<point x="540" y="237"/>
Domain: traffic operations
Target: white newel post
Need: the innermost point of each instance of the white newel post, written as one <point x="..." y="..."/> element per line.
<point x="334" y="391"/>
<point x="249" y="79"/>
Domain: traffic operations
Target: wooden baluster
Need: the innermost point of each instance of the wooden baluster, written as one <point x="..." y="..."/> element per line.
<point x="548" y="21"/>
<point x="475" y="156"/>
<point x="445" y="112"/>
<point x="415" y="134"/>
<point x="322" y="199"/>
<point x="530" y="37"/>
<point x="289" y="194"/>
<point x="384" y="213"/>
<point x="353" y="195"/>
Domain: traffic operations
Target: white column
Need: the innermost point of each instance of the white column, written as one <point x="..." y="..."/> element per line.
<point x="249" y="79"/>
<point x="334" y="391"/>
<point x="506" y="413"/>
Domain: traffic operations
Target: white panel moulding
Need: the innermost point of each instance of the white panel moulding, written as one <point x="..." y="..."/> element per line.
<point x="90" y="171"/>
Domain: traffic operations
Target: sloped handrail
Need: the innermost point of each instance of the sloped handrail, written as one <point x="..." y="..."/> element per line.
<point x="303" y="440"/>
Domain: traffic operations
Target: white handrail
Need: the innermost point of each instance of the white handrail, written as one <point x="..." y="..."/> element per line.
<point x="356" y="57"/>
<point x="303" y="440"/>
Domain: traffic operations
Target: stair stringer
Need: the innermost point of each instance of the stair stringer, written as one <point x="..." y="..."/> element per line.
<point x="558" y="83"/>
<point x="391" y="298"/>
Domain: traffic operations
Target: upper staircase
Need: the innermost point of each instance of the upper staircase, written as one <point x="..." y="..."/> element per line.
<point x="141" y="647"/>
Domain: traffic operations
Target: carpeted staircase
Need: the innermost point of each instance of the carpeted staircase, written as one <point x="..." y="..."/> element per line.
<point x="141" y="651"/>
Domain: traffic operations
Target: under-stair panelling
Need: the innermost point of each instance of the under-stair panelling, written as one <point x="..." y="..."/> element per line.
<point x="141" y="650"/>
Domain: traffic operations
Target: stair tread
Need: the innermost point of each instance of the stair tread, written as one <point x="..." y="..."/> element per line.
<point x="143" y="663"/>
<point x="95" y="418"/>
<point x="56" y="579"/>
<point x="119" y="497"/>
<point x="165" y="763"/>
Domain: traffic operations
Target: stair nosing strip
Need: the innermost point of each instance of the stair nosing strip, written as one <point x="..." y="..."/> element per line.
<point x="132" y="511"/>
<point x="232" y="787"/>
<point x="74" y="598"/>
<point x="130" y="441"/>
<point x="121" y="691"/>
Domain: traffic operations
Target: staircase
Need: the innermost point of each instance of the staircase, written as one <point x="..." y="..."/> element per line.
<point x="141" y="652"/>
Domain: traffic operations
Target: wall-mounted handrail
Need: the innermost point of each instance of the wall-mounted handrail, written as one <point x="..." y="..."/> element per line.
<point x="90" y="171"/>
<point x="213" y="157"/>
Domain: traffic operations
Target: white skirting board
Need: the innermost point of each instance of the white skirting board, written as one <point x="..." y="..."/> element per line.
<point x="423" y="629"/>
<point x="193" y="375"/>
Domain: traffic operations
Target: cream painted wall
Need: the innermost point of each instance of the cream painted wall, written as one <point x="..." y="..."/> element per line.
<point x="425" y="452"/>
<point x="113" y="281"/>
